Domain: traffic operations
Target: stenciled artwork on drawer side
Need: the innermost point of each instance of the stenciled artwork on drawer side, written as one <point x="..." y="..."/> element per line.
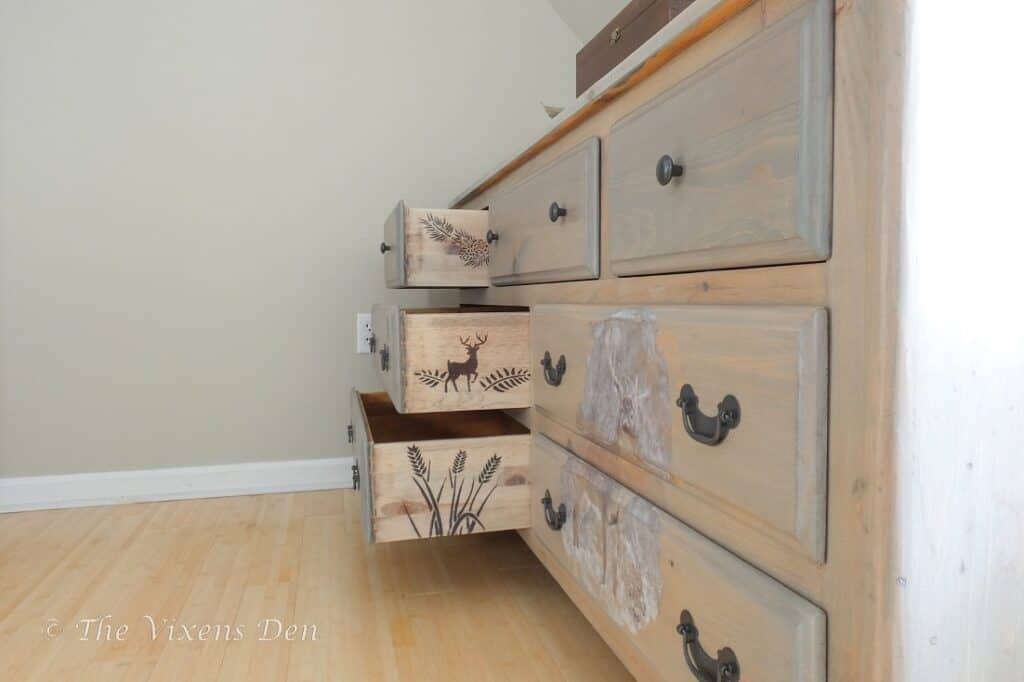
<point x="473" y="251"/>
<point x="611" y="536"/>
<point x="465" y="505"/>
<point x="499" y="380"/>
<point x="626" y="390"/>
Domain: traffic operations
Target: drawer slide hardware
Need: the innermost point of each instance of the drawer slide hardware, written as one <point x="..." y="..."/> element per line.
<point x="724" y="668"/>
<point x="667" y="169"/>
<point x="555" y="212"/>
<point x="554" y="519"/>
<point x="355" y="477"/>
<point x="705" y="429"/>
<point x="553" y="373"/>
<point x="351" y="433"/>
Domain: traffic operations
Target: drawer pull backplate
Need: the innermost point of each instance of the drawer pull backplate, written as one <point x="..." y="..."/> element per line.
<point x="705" y="429"/>
<point x="724" y="668"/>
<point x="554" y="519"/>
<point x="553" y="372"/>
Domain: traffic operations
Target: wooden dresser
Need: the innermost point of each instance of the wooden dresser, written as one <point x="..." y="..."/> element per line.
<point x="673" y="365"/>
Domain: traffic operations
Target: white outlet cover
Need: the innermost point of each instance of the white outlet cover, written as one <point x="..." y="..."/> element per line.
<point x="364" y="330"/>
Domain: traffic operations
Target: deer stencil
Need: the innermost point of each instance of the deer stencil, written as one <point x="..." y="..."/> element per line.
<point x="467" y="368"/>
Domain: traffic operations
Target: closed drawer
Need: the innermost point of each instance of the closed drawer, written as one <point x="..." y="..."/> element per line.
<point x="547" y="228"/>
<point x="425" y="247"/>
<point x="657" y="573"/>
<point x="448" y="359"/>
<point x="568" y="509"/>
<point x="432" y="475"/>
<point x="732" y="167"/>
<point x="727" y="404"/>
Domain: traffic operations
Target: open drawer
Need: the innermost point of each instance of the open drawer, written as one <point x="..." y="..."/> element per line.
<point x="425" y="247"/>
<point x="432" y="475"/>
<point x="450" y="359"/>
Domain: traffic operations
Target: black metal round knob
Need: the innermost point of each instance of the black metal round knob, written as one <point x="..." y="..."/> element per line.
<point x="667" y="169"/>
<point x="555" y="212"/>
<point x="491" y="237"/>
<point x="385" y="247"/>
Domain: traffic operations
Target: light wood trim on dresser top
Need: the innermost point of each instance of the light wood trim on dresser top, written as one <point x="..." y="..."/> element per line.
<point x="858" y="284"/>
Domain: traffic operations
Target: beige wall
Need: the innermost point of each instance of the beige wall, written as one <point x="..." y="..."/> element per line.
<point x="190" y="201"/>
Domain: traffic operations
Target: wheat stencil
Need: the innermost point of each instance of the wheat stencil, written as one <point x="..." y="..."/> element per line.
<point x="465" y="505"/>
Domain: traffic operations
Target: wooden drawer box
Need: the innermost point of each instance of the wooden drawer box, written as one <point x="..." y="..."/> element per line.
<point x="445" y="359"/>
<point x="644" y="384"/>
<point x="733" y="166"/>
<point x="651" y="574"/>
<point x="429" y="475"/>
<point x="547" y="228"/>
<point x="435" y="248"/>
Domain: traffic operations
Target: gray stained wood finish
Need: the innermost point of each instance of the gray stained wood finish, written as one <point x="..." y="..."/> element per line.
<point x="626" y="366"/>
<point x="752" y="133"/>
<point x="440" y="248"/>
<point x="643" y="568"/>
<point x="533" y="248"/>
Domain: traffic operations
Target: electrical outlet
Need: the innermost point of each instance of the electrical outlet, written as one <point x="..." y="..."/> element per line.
<point x="364" y="331"/>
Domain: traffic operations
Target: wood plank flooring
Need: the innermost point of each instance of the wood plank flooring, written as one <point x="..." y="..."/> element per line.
<point x="472" y="608"/>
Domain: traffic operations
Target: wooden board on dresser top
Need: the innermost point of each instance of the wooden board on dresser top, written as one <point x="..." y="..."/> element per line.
<point x="858" y="583"/>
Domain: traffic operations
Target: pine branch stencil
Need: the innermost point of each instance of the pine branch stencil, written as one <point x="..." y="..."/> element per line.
<point x="473" y="251"/>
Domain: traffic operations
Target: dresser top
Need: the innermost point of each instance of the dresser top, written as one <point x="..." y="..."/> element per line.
<point x="699" y="19"/>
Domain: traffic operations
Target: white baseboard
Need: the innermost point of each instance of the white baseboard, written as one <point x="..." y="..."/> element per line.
<point x="151" y="485"/>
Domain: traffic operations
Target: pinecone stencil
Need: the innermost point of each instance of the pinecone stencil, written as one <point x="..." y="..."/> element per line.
<point x="472" y="250"/>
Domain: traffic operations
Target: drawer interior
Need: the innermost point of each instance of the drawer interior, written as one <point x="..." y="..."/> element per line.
<point x="386" y="425"/>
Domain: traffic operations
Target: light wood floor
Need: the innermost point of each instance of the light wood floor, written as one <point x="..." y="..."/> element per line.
<point x="478" y="607"/>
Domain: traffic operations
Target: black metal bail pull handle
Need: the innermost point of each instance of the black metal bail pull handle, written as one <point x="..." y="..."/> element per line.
<point x="555" y="212"/>
<point x="701" y="427"/>
<point x="724" y="668"/>
<point x="355" y="477"/>
<point x="667" y="169"/>
<point x="385" y="358"/>
<point x="553" y="372"/>
<point x="554" y="519"/>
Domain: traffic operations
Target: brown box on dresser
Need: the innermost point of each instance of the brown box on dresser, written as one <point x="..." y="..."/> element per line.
<point x="628" y="30"/>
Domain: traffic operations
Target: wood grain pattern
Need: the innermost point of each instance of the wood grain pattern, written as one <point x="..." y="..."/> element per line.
<point x="625" y="367"/>
<point x="532" y="248"/>
<point x="433" y="340"/>
<point x="476" y="607"/>
<point x="436" y="248"/>
<point x="501" y="502"/>
<point x="756" y="188"/>
<point x="777" y="635"/>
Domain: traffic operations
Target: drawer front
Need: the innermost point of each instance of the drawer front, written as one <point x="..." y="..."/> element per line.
<point x="751" y="183"/>
<point x="435" y="248"/>
<point x="548" y="226"/>
<point x="433" y="475"/>
<point x="359" y="438"/>
<point x="654" y="568"/>
<point x="462" y="361"/>
<point x="728" y="404"/>
<point x="424" y="489"/>
<point x="387" y="348"/>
